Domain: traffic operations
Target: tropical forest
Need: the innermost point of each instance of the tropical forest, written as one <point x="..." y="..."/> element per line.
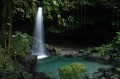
<point x="59" y="39"/>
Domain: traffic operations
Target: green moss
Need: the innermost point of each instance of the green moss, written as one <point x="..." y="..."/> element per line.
<point x="72" y="71"/>
<point x="118" y="69"/>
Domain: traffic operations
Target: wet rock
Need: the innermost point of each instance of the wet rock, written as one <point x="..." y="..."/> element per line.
<point x="41" y="75"/>
<point x="106" y="73"/>
<point x="115" y="76"/>
<point x="52" y="50"/>
<point x="118" y="70"/>
<point x="81" y="51"/>
<point x="96" y="75"/>
<point x="86" y="55"/>
<point x="102" y="69"/>
<point x="26" y="75"/>
<point x="30" y="62"/>
<point x="68" y="56"/>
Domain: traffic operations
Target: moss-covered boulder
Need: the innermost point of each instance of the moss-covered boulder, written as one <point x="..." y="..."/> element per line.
<point x="73" y="71"/>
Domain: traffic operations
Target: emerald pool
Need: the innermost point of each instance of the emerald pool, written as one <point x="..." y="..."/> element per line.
<point x="50" y="65"/>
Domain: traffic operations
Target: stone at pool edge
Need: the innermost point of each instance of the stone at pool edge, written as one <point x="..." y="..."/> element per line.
<point x="30" y="61"/>
<point x="107" y="73"/>
<point x="41" y="75"/>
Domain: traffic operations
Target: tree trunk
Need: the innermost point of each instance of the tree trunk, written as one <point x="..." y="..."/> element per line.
<point x="6" y="23"/>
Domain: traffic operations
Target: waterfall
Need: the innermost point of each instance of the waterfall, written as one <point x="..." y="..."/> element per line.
<point x="38" y="38"/>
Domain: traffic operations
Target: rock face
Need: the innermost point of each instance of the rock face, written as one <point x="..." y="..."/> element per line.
<point x="53" y="51"/>
<point x="27" y="75"/>
<point x="68" y="53"/>
<point x="19" y="69"/>
<point x="107" y="73"/>
<point x="27" y="70"/>
<point x="41" y="75"/>
<point x="30" y="62"/>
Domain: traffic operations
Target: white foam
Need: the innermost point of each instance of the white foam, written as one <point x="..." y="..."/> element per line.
<point x="41" y="56"/>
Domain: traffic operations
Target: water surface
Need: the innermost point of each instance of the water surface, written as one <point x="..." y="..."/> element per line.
<point x="50" y="66"/>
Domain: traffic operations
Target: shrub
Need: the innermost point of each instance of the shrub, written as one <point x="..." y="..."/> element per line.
<point x="111" y="50"/>
<point x="73" y="71"/>
<point x="11" y="63"/>
<point x="21" y="44"/>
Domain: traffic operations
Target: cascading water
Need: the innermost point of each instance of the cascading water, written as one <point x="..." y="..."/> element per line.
<point x="38" y="43"/>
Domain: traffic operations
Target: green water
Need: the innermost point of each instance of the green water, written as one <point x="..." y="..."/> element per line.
<point x="50" y="66"/>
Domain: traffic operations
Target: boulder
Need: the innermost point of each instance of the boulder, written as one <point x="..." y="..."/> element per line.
<point x="68" y="56"/>
<point x="30" y="61"/>
<point x="26" y="75"/>
<point x="41" y="75"/>
<point x="53" y="51"/>
<point x="106" y="73"/>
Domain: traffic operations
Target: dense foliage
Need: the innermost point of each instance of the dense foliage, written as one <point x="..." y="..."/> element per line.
<point x="73" y="71"/>
<point x="63" y="15"/>
<point x="59" y="16"/>
<point x="110" y="51"/>
<point x="24" y="10"/>
<point x="11" y="62"/>
<point x="21" y="44"/>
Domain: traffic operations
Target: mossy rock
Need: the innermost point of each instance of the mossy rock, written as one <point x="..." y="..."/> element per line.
<point x="73" y="71"/>
<point x="118" y="69"/>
